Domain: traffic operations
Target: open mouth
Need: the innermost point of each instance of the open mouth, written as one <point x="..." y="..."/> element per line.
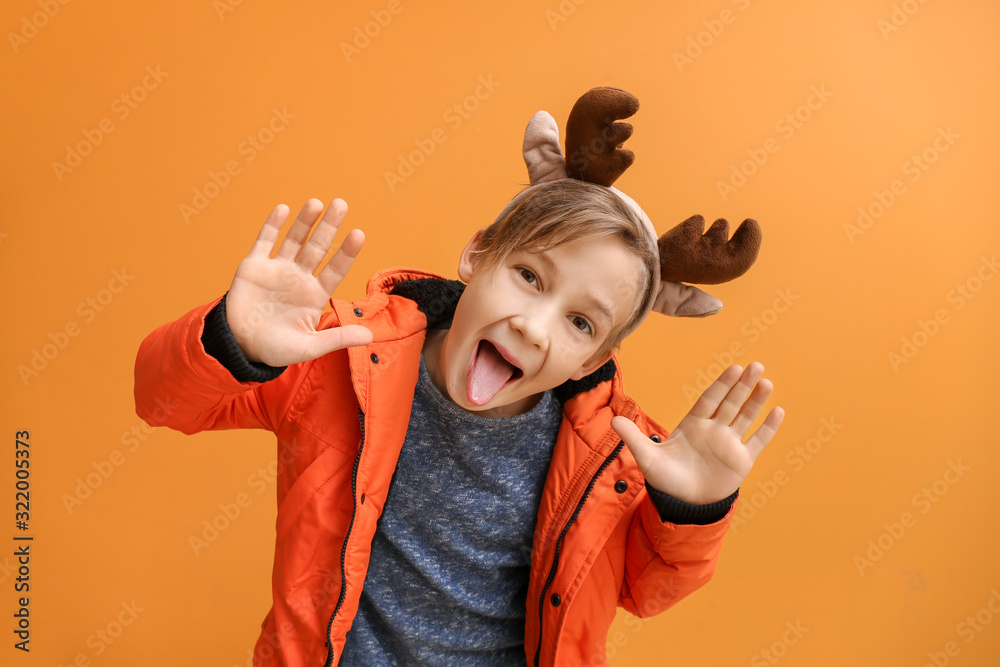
<point x="489" y="372"/>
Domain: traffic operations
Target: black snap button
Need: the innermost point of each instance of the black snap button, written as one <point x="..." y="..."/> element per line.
<point x="362" y="499"/>
<point x="654" y="438"/>
<point x="374" y="358"/>
<point x="621" y="486"/>
<point x="357" y="312"/>
<point x="556" y="600"/>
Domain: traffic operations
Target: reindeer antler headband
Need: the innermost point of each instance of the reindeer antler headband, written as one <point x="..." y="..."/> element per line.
<point x="595" y="154"/>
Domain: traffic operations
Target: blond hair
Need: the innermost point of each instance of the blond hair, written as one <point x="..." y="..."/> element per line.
<point x="561" y="211"/>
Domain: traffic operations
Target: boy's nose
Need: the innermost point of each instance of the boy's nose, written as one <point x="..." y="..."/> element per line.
<point x="531" y="327"/>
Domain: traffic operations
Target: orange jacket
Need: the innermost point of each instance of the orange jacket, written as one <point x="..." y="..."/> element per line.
<point x="340" y="421"/>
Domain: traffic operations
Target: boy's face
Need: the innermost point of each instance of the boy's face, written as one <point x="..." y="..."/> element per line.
<point x="531" y="323"/>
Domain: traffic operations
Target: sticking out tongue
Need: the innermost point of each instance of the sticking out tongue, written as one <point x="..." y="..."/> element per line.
<point x="488" y="373"/>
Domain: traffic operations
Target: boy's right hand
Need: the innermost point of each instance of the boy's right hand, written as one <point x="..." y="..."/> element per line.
<point x="274" y="304"/>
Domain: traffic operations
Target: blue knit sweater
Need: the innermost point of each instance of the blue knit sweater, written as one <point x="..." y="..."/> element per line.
<point x="448" y="577"/>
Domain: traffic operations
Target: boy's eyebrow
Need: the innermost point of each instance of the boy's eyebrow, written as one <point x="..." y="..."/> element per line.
<point x="602" y="308"/>
<point x="592" y="300"/>
<point x="547" y="261"/>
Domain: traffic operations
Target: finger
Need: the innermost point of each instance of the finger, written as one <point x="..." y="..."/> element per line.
<point x="269" y="232"/>
<point x="338" y="266"/>
<point x="289" y="248"/>
<point x="709" y="401"/>
<point x="643" y="449"/>
<point x="737" y="396"/>
<point x="338" y="338"/>
<point x="320" y="242"/>
<point x="752" y="407"/>
<point x="762" y="436"/>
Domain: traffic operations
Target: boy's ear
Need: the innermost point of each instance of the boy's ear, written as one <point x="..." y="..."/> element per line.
<point x="591" y="366"/>
<point x="467" y="261"/>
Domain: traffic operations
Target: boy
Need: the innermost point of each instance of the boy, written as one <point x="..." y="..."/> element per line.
<point x="529" y="496"/>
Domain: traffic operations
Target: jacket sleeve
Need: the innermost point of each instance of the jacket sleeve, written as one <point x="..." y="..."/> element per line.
<point x="179" y="384"/>
<point x="672" y="546"/>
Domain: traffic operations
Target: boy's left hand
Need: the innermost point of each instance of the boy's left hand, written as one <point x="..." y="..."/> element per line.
<point x="704" y="460"/>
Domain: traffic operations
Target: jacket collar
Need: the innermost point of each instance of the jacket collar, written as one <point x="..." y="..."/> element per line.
<point x="437" y="297"/>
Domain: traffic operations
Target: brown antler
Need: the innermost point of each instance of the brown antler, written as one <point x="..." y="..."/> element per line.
<point x="688" y="255"/>
<point x="593" y="138"/>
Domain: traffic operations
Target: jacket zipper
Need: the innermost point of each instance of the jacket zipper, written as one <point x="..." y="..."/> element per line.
<point x="343" y="549"/>
<point x="559" y="541"/>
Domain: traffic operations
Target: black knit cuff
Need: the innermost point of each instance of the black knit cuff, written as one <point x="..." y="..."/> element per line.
<point x="677" y="511"/>
<point x="219" y="342"/>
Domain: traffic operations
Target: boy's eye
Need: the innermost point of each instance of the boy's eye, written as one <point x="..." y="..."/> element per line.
<point x="528" y="275"/>
<point x="582" y="324"/>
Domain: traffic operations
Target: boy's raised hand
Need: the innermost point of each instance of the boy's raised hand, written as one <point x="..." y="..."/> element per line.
<point x="274" y="304"/>
<point x="704" y="459"/>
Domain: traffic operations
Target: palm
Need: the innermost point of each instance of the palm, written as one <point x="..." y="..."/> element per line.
<point x="704" y="459"/>
<point x="700" y="459"/>
<point x="274" y="304"/>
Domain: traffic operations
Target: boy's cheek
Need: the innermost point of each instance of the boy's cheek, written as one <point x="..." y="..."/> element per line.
<point x="571" y="357"/>
<point x="575" y="348"/>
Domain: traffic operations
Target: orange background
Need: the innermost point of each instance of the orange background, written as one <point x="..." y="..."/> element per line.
<point x="852" y="294"/>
